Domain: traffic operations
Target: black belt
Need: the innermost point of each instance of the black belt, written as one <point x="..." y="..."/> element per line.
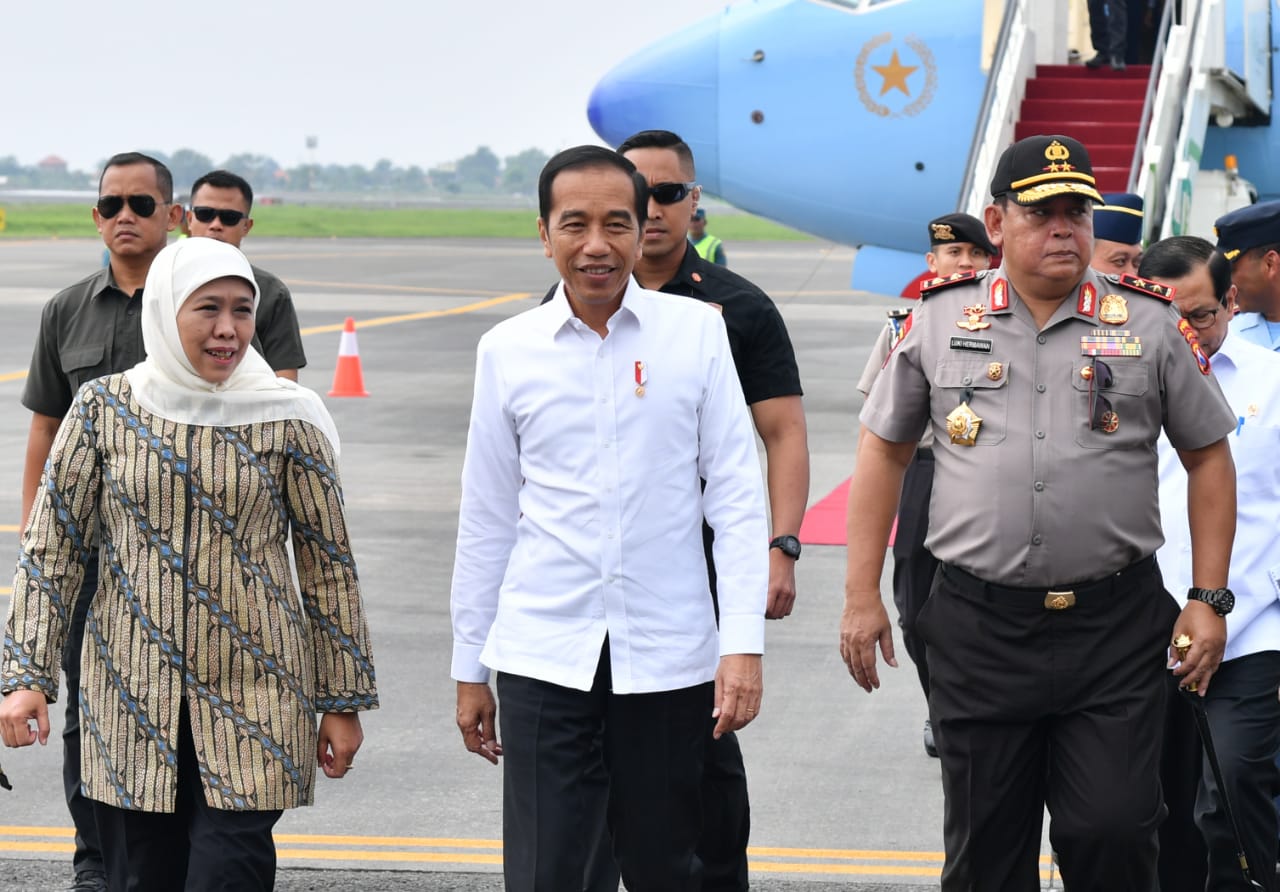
<point x="1098" y="593"/>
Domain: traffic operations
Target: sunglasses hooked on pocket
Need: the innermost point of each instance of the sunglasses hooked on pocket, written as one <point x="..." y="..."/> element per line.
<point x="1101" y="414"/>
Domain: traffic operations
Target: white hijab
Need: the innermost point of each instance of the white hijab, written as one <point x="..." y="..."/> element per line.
<point x="166" y="383"/>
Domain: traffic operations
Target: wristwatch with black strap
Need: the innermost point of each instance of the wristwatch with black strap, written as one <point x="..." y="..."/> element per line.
<point x="1220" y="599"/>
<point x="788" y="545"/>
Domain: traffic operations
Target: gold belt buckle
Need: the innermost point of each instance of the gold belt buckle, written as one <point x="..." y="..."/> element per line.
<point x="1059" y="600"/>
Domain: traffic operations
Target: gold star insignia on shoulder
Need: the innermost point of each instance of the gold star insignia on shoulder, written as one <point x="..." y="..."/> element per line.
<point x="1146" y="286"/>
<point x="938" y="283"/>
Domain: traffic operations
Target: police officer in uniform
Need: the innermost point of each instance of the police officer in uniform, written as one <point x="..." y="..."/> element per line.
<point x="1117" y="234"/>
<point x="958" y="245"/>
<point x="1046" y="386"/>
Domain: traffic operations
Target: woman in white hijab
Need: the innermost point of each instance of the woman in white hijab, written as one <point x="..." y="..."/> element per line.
<point x="203" y="669"/>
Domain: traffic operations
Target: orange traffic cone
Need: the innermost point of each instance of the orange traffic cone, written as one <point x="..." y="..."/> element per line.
<point x="348" y="380"/>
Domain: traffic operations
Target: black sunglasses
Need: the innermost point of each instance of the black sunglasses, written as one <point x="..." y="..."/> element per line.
<point x="228" y="218"/>
<point x="670" y="193"/>
<point x="110" y="205"/>
<point x="1101" y="416"/>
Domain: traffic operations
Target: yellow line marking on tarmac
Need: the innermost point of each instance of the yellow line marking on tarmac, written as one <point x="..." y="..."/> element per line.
<point x="406" y="289"/>
<point x="358" y="849"/>
<point x="10" y="528"/>
<point x="380" y="320"/>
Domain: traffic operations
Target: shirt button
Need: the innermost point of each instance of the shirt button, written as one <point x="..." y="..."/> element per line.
<point x="966" y="380"/>
<point x="1039" y="486"/>
<point x="1036" y="539"/>
<point x="1041" y="339"/>
<point x="1039" y="389"/>
<point x="1039" y="435"/>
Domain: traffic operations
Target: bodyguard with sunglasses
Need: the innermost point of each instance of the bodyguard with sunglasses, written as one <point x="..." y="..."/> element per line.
<point x="221" y="202"/>
<point x="1046" y="386"/>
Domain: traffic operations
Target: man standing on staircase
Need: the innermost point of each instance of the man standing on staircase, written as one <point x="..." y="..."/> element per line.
<point x="1108" y="30"/>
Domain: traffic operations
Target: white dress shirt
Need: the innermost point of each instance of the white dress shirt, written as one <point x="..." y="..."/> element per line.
<point x="1250" y="379"/>
<point x="582" y="509"/>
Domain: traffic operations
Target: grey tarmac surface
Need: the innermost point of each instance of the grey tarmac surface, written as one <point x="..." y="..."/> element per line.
<point x="843" y="796"/>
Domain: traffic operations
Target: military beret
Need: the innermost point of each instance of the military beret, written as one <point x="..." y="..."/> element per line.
<point x="950" y="229"/>
<point x="1038" y="168"/>
<point x="1119" y="219"/>
<point x="1248" y="227"/>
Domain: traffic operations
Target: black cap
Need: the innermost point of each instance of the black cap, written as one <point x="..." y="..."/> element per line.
<point x="699" y="214"/>
<point x="1038" y="168"/>
<point x="951" y="229"/>
<point x="1119" y="219"/>
<point x="1248" y="227"/>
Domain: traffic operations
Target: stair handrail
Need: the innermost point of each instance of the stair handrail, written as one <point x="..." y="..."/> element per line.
<point x="1153" y="82"/>
<point x="997" y="104"/>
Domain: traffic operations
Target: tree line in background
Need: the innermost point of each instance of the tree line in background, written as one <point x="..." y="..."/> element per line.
<point x="481" y="172"/>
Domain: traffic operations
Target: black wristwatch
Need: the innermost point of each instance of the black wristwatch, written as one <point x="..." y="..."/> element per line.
<point x="1220" y="599"/>
<point x="789" y="545"/>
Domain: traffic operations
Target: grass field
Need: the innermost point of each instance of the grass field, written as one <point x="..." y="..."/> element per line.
<point x="25" y="221"/>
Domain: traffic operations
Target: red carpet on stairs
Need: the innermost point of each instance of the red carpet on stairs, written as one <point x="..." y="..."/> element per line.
<point x="1101" y="108"/>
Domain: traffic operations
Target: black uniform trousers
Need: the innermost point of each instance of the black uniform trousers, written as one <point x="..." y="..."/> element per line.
<point x="1244" y="719"/>
<point x="1183" y="860"/>
<point x="1059" y="707"/>
<point x="653" y="752"/>
<point x="88" y="853"/>
<point x="1109" y="27"/>
<point x="913" y="566"/>
<point x="196" y="848"/>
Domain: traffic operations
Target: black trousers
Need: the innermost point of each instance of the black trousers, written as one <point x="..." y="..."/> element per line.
<point x="197" y="848"/>
<point x="913" y="566"/>
<point x="1109" y="26"/>
<point x="1183" y="861"/>
<point x="653" y="751"/>
<point x="88" y="854"/>
<point x="1244" y="719"/>
<point x="1064" y="708"/>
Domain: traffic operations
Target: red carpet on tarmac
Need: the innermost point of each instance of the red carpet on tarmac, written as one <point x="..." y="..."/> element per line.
<point x="824" y="522"/>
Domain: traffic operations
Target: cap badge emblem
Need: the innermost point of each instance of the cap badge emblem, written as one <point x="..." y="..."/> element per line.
<point x="942" y="232"/>
<point x="1058" y="156"/>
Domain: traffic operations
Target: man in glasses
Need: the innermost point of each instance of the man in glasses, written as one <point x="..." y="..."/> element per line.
<point x="221" y="202"/>
<point x="766" y="367"/>
<point x="1046" y="386"/>
<point x="958" y="244"/>
<point x="1250" y="238"/>
<point x="1243" y="711"/>
<point x="1117" y="234"/>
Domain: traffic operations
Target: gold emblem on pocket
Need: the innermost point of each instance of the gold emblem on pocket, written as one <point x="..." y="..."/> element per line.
<point x="963" y="425"/>
<point x="995" y="371"/>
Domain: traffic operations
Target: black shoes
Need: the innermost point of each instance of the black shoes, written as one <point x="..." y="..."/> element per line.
<point x="929" y="746"/>
<point x="89" y="881"/>
<point x="1116" y="62"/>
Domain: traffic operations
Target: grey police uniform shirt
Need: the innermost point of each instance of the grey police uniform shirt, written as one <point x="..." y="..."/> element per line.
<point x="880" y="351"/>
<point x="1041" y="498"/>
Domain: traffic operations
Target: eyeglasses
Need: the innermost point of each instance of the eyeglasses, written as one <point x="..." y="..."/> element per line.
<point x="670" y="193"/>
<point x="142" y="205"/>
<point x="1101" y="416"/>
<point x="1202" y="319"/>
<point x="228" y="217"/>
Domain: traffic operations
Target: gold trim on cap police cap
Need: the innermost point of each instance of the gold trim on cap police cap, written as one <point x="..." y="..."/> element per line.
<point x="1249" y="227"/>
<point x="1038" y="168"/>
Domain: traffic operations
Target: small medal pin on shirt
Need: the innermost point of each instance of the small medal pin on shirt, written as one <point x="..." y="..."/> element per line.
<point x="973" y="320"/>
<point x="1114" y="310"/>
<point x="642" y="377"/>
<point x="995" y="371"/>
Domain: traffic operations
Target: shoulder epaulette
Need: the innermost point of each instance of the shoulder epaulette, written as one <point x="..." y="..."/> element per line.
<point x="1144" y="286"/>
<point x="934" y="285"/>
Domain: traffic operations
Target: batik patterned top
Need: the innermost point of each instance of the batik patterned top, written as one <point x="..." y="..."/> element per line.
<point x="196" y="601"/>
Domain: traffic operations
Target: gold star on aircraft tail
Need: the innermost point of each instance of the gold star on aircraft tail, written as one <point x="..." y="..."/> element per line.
<point x="895" y="74"/>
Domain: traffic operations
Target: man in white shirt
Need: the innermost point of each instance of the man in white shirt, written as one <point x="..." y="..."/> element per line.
<point x="1243" y="711"/>
<point x="579" y="575"/>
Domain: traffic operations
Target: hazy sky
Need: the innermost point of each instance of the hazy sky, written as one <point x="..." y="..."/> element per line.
<point x="415" y="81"/>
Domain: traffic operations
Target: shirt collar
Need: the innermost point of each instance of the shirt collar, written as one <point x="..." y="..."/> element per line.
<point x="102" y="281"/>
<point x="556" y="313"/>
<point x="1247" y="320"/>
<point x="689" y="276"/>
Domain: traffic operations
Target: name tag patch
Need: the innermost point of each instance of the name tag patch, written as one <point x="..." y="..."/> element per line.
<point x="1110" y="343"/>
<point x="973" y="345"/>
